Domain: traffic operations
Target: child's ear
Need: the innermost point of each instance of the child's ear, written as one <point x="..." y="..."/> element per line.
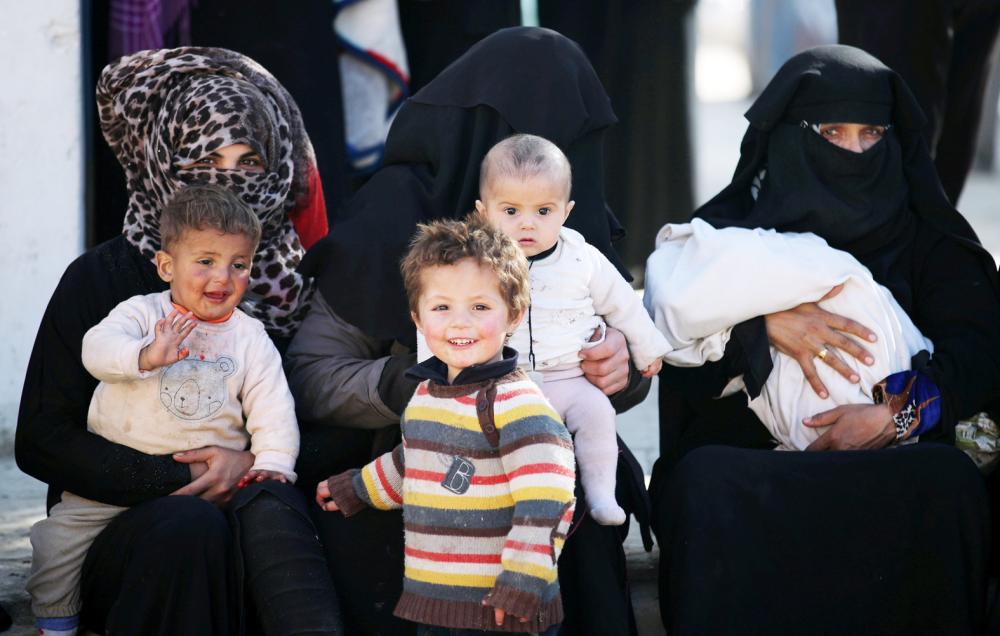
<point x="481" y="208"/>
<point x="569" y="207"/>
<point x="164" y="266"/>
<point x="416" y="320"/>
<point x="515" y="321"/>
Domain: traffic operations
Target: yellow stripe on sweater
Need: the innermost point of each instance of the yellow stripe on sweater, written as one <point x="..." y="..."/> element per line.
<point x="457" y="502"/>
<point x="444" y="416"/>
<point x="451" y="580"/>
<point x="366" y="477"/>
<point x="542" y="493"/>
<point x="548" y="575"/>
<point x="506" y="416"/>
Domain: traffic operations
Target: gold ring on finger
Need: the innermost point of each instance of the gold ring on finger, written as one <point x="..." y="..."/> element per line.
<point x="822" y="353"/>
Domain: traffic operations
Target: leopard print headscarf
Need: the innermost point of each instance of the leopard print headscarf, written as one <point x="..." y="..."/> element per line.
<point x="164" y="108"/>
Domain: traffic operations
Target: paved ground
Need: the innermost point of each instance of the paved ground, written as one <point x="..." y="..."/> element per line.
<point x="719" y="129"/>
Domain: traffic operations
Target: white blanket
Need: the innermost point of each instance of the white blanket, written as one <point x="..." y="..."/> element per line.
<point x="701" y="281"/>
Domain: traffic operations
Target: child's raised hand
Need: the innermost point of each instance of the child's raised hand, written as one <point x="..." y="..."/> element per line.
<point x="653" y="368"/>
<point x="166" y="346"/>
<point x="323" y="497"/>
<point x="257" y="476"/>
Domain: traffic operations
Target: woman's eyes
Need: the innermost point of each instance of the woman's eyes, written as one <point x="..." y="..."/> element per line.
<point x="253" y="161"/>
<point x="874" y="132"/>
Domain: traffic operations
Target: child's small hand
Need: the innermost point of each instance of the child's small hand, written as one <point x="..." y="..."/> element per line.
<point x="653" y="368"/>
<point x="257" y="476"/>
<point x="166" y="346"/>
<point x="499" y="615"/>
<point x="323" y="497"/>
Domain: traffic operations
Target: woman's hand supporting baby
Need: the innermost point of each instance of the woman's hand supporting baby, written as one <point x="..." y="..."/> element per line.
<point x="215" y="472"/>
<point x="853" y="427"/>
<point x="806" y="331"/>
<point x="606" y="365"/>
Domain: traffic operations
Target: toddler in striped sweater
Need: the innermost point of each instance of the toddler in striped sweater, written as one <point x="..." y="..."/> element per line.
<point x="485" y="472"/>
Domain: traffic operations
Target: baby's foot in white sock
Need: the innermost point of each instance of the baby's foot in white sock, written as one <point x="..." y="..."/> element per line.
<point x="608" y="514"/>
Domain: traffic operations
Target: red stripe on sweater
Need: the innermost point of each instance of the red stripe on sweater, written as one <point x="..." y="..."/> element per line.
<point x="535" y="469"/>
<point x="385" y="483"/>
<point x="429" y="475"/>
<point x="446" y="557"/>
<point x="471" y="401"/>
<point x="528" y="547"/>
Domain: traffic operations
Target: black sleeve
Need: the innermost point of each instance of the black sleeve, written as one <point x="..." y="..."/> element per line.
<point x="52" y="442"/>
<point x="635" y="391"/>
<point x="747" y="353"/>
<point x="956" y="306"/>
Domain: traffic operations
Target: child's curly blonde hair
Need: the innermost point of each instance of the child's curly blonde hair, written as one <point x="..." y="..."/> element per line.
<point x="447" y="242"/>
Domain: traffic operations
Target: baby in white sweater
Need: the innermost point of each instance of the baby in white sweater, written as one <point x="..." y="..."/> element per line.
<point x="525" y="185"/>
<point x="179" y="370"/>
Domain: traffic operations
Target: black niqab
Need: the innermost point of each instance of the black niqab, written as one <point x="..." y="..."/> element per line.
<point x="518" y="80"/>
<point x="866" y="203"/>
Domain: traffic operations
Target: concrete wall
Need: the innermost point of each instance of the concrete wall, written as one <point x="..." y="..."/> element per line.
<point x="41" y="176"/>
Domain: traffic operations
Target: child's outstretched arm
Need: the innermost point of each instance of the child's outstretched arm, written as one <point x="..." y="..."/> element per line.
<point x="537" y="456"/>
<point x="619" y="305"/>
<point x="379" y="485"/>
<point x="122" y="348"/>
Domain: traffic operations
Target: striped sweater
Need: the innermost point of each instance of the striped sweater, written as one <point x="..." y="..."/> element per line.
<point x="485" y="477"/>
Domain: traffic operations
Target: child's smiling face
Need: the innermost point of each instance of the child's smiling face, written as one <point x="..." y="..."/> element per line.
<point x="208" y="271"/>
<point x="463" y="315"/>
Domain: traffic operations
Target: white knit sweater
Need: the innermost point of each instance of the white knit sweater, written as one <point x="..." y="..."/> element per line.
<point x="232" y="371"/>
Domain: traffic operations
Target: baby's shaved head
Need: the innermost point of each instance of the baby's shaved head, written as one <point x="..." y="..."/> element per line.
<point x="524" y="157"/>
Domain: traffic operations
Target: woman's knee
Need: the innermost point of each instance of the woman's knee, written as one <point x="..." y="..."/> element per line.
<point x="185" y="523"/>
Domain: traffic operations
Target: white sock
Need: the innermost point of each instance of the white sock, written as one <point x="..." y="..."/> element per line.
<point x="58" y="626"/>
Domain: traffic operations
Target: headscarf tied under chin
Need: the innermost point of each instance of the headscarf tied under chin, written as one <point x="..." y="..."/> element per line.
<point x="867" y="204"/>
<point x="165" y="108"/>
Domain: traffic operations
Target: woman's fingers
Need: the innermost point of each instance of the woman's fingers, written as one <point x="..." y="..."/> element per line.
<point x="812" y="377"/>
<point x="846" y="325"/>
<point x="834" y="361"/>
<point x="825" y="418"/>
<point x="823" y="442"/>
<point x="850" y="347"/>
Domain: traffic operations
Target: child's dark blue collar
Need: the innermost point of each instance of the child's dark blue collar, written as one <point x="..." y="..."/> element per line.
<point x="436" y="371"/>
<point x="543" y="255"/>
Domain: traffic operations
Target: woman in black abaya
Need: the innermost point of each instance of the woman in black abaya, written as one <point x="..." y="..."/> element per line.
<point x="874" y="541"/>
<point x="346" y="364"/>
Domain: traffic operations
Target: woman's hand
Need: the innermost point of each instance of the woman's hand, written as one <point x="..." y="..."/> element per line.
<point x="323" y="497"/>
<point x="808" y="332"/>
<point x="215" y="472"/>
<point x="853" y="427"/>
<point x="606" y="365"/>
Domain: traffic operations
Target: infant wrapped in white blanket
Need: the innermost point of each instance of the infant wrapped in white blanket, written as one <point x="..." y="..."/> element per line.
<point x="702" y="281"/>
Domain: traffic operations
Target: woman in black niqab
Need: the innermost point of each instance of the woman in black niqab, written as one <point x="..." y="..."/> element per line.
<point x="431" y="165"/>
<point x="875" y="541"/>
<point x="346" y="365"/>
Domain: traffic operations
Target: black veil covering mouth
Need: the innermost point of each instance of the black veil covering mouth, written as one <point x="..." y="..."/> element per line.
<point x="836" y="84"/>
<point x="518" y="80"/>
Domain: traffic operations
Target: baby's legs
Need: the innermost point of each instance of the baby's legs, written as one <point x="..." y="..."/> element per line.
<point x="590" y="417"/>
<point x="59" y="546"/>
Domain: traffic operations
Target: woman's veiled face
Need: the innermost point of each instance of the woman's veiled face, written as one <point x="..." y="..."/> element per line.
<point x="231" y="157"/>
<point x="852" y="136"/>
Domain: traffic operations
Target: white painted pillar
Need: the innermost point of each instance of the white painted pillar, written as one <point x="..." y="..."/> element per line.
<point x="41" y="176"/>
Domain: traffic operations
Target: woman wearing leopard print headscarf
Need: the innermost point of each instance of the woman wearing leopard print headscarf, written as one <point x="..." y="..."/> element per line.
<point x="166" y="565"/>
<point x="167" y="113"/>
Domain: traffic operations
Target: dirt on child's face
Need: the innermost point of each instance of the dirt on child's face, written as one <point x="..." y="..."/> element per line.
<point x="462" y="314"/>
<point x="208" y="271"/>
